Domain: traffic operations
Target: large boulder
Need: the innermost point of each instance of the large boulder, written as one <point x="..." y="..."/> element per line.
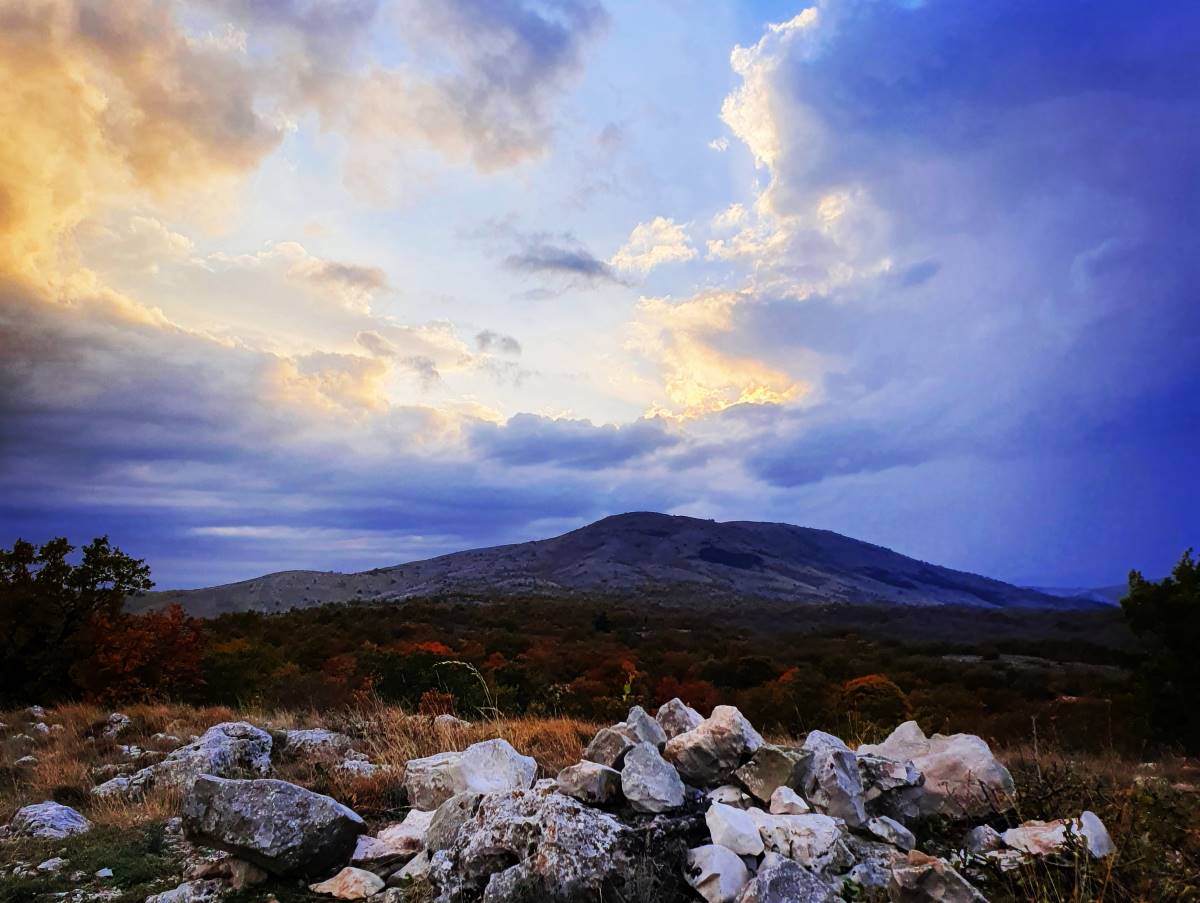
<point x="814" y="840"/>
<point x="785" y="881"/>
<point x="962" y="777"/>
<point x="832" y="783"/>
<point x="48" y="821"/>
<point x="536" y="841"/>
<point x="231" y="749"/>
<point x="590" y="782"/>
<point x="677" y="717"/>
<point x="770" y="768"/>
<point x="492" y="766"/>
<point x="649" y="782"/>
<point x="926" y="879"/>
<point x="278" y="826"/>
<point x="716" y="873"/>
<point x="708" y="754"/>
<point x="733" y="828"/>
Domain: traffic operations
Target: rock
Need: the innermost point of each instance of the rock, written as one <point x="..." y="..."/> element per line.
<point x="590" y="782"/>
<point x="446" y="723"/>
<point x="26" y="762"/>
<point x="230" y="749"/>
<point x="357" y="765"/>
<point x="161" y="739"/>
<point x="962" y="777"/>
<point x="709" y="753"/>
<point x="813" y="840"/>
<point x="350" y="884"/>
<point x="874" y="861"/>
<point x="57" y="729"/>
<point x="881" y="775"/>
<point x="416" y="869"/>
<point x="677" y="717"/>
<point x="926" y="879"/>
<point x="237" y="873"/>
<point x="731" y="795"/>
<point x="1042" y="838"/>
<point x="55" y="864"/>
<point x="609" y="746"/>
<point x="316" y="745"/>
<point x="891" y="831"/>
<point x="734" y="829"/>
<point x="379" y="856"/>
<point x="769" y="768"/>
<point x="785" y="881"/>
<point x="644" y="728"/>
<point x="649" y="782"/>
<point x="408" y="836"/>
<point x="190" y="892"/>
<point x="716" y="873"/>
<point x="492" y="766"/>
<point x="449" y="817"/>
<point x="40" y="729"/>
<point x="116" y="724"/>
<point x="48" y="821"/>
<point x="35" y="713"/>
<point x="982" y="839"/>
<point x="278" y="826"/>
<point x="831" y="781"/>
<point x="104" y="873"/>
<point x="543" y="842"/>
<point x="786" y="801"/>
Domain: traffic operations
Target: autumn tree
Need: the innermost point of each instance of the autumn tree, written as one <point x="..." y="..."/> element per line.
<point x="128" y="657"/>
<point x="46" y="606"/>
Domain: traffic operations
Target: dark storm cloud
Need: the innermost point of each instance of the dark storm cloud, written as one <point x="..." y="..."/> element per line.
<point x="527" y="439"/>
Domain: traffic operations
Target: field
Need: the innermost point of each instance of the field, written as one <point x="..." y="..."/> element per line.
<point x="1152" y="810"/>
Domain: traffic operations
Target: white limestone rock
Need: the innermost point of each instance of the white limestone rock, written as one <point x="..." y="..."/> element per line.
<point x="786" y="801"/>
<point x="814" y="840"/>
<point x="1042" y="838"/>
<point x="48" y="821"/>
<point x="832" y="783"/>
<point x="708" y="754"/>
<point x="785" y="881"/>
<point x="734" y="829"/>
<point x="716" y="873"/>
<point x="492" y="766"/>
<point x="649" y="781"/>
<point x="677" y="717"/>
<point x="350" y="884"/>
<point x="927" y="879"/>
<point x="590" y="782"/>
<point x="891" y="831"/>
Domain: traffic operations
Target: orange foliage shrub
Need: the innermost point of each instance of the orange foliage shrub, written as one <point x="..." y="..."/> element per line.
<point x="138" y="657"/>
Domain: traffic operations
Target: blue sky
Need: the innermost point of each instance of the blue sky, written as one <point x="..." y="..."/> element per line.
<point x="336" y="285"/>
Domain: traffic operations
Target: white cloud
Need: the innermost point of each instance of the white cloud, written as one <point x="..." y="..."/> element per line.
<point x="652" y="244"/>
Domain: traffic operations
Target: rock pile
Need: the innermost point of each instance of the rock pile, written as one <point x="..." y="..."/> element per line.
<point x="676" y="801"/>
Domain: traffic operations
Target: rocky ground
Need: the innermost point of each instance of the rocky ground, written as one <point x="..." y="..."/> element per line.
<point x="179" y="805"/>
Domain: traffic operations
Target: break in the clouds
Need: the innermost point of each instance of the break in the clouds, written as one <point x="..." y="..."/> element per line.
<point x="263" y="267"/>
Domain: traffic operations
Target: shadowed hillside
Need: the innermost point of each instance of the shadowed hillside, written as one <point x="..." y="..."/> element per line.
<point x="684" y="558"/>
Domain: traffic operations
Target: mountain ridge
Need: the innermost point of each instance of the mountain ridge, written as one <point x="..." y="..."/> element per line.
<point x="687" y="559"/>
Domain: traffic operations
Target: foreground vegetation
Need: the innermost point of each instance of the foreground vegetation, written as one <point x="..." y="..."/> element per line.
<point x="1152" y="810"/>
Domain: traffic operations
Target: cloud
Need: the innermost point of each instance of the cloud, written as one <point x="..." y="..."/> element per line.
<point x="562" y="258"/>
<point x="528" y="439"/>
<point x="488" y="341"/>
<point x="652" y="244"/>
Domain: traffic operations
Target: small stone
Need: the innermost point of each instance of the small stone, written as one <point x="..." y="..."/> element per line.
<point x="717" y="873"/>
<point x="116" y="723"/>
<point x="891" y="831"/>
<point x="409" y="835"/>
<point x="927" y="879"/>
<point x="609" y="746"/>
<point x="677" y="717"/>
<point x="769" y="768"/>
<point x="734" y="829"/>
<point x="415" y="869"/>
<point x="785" y="881"/>
<point x="26" y="762"/>
<point x="350" y="884"/>
<point x="1042" y="838"/>
<point x="814" y="840"/>
<point x="982" y="839"/>
<point x="590" y="782"/>
<point x="644" y="728"/>
<point x="649" y="782"/>
<point x="40" y="729"/>
<point x="786" y="801"/>
<point x="104" y="873"/>
<point x="54" y="864"/>
<point x="190" y="892"/>
<point x="731" y="795"/>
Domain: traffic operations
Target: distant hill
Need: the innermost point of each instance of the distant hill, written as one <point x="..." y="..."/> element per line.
<point x="679" y="560"/>
<point x="1109" y="595"/>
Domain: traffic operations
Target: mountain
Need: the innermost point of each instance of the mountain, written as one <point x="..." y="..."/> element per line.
<point x="674" y="560"/>
<point x="1109" y="595"/>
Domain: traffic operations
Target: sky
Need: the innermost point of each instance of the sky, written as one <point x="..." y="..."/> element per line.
<point x="341" y="284"/>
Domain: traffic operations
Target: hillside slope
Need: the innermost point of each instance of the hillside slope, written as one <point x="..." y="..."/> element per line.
<point x="676" y="558"/>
